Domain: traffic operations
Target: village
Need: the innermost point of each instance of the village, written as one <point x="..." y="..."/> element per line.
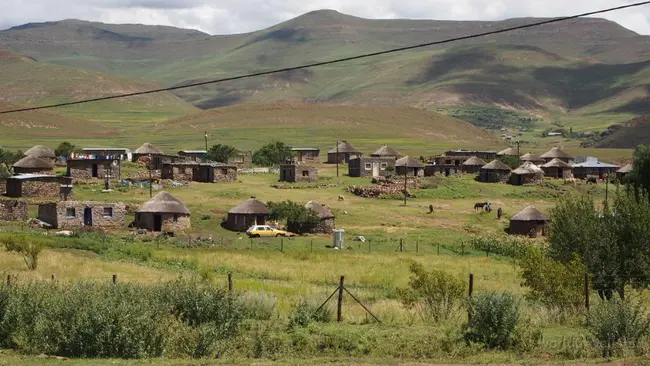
<point x="383" y="173"/>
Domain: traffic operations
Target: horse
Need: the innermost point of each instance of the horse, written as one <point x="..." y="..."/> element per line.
<point x="478" y="206"/>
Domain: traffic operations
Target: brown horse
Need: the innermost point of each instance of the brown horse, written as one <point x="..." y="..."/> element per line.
<point x="478" y="206"/>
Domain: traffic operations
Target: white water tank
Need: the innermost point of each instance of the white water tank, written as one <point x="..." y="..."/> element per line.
<point x="339" y="238"/>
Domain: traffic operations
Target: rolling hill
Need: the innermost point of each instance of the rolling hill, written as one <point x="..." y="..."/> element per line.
<point x="626" y="135"/>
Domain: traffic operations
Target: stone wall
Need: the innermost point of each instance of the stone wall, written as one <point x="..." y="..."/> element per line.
<point x="83" y="169"/>
<point x="225" y="174"/>
<point x="32" y="188"/>
<point x="145" y="220"/>
<point x="13" y="210"/>
<point x="3" y="186"/>
<point x="298" y="173"/>
<point x="56" y="214"/>
<point x="185" y="173"/>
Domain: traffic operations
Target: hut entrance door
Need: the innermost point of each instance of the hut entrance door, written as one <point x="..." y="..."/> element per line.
<point x="375" y="169"/>
<point x="157" y="223"/>
<point x="88" y="216"/>
<point x="95" y="173"/>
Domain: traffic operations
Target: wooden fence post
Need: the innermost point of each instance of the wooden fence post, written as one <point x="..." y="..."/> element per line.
<point x="281" y="245"/>
<point x="471" y="291"/>
<point x="311" y="246"/>
<point x="339" y="305"/>
<point x="114" y="278"/>
<point x="229" y="282"/>
<point x="587" y="296"/>
<point x="417" y="246"/>
<point x="9" y="280"/>
<point x="53" y="278"/>
<point x="438" y="248"/>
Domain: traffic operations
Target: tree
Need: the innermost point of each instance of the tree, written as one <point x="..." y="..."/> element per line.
<point x="65" y="149"/>
<point x="639" y="178"/>
<point x="512" y="161"/>
<point x="221" y="153"/>
<point x="299" y="219"/>
<point x="272" y="154"/>
<point x="9" y="157"/>
<point x="28" y="248"/>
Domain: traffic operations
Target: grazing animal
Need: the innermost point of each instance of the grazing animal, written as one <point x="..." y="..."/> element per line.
<point x="341" y="198"/>
<point x="478" y="206"/>
<point x="592" y="180"/>
<point x="430" y="209"/>
<point x="570" y="181"/>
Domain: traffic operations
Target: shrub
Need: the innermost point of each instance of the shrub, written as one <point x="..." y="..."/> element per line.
<point x="27" y="247"/>
<point x="433" y="294"/>
<point x="299" y="218"/>
<point x="501" y="245"/>
<point x="493" y="321"/>
<point x="205" y="217"/>
<point x="258" y="305"/>
<point x="618" y="324"/>
<point x="305" y="313"/>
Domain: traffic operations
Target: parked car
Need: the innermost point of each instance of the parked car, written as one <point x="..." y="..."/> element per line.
<point x="258" y="231"/>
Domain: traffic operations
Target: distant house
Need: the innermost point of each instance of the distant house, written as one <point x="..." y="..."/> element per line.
<point x="557" y="153"/>
<point x="163" y="213"/>
<point x="511" y="151"/>
<point x="386" y="152"/>
<point x="241" y="159"/>
<point x="625" y="170"/>
<point x="13" y="210"/>
<point x="93" y="168"/>
<point x="592" y="167"/>
<point x="528" y="221"/>
<point x="451" y="162"/>
<point x="527" y="173"/>
<point x="193" y="155"/>
<point x="246" y="214"/>
<point x="343" y="153"/>
<point x="409" y="166"/>
<point x="42" y="152"/>
<point x="199" y="172"/>
<point x="108" y="153"/>
<point x="473" y="165"/>
<point x="368" y="166"/>
<point x="535" y="159"/>
<point x="494" y="172"/>
<point x="73" y="214"/>
<point x="146" y="150"/>
<point x="326" y="218"/>
<point x="31" y="164"/>
<point x="466" y="154"/>
<point x="306" y="154"/>
<point x="36" y="185"/>
<point x="298" y="173"/>
<point x="554" y="134"/>
<point x="557" y="168"/>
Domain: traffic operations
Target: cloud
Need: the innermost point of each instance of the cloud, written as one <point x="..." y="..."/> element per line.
<point x="237" y="16"/>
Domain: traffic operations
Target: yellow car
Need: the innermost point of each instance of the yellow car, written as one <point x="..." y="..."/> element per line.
<point x="258" y="231"/>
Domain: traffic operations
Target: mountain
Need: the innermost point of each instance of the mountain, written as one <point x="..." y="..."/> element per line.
<point x="627" y="135"/>
<point x="588" y="72"/>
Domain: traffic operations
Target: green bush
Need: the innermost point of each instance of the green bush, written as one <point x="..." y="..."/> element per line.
<point x="617" y="324"/>
<point x="501" y="245"/>
<point x="304" y="313"/>
<point x="435" y="295"/>
<point x="258" y="305"/>
<point x="493" y="321"/>
<point x="28" y="247"/>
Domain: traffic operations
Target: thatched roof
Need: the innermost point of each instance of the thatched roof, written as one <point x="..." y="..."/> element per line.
<point x="496" y="165"/>
<point x="556" y="152"/>
<point x="320" y="210"/>
<point x="474" y="161"/>
<point x="386" y="151"/>
<point x="148" y="148"/>
<point x="409" y="162"/>
<point x="529" y="213"/>
<point x="626" y="169"/>
<point x="41" y="151"/>
<point x="528" y="168"/>
<point x="251" y="206"/>
<point x="531" y="157"/>
<point x="31" y="161"/>
<point x="557" y="163"/>
<point x="509" y="151"/>
<point x="345" y="147"/>
<point x="164" y="202"/>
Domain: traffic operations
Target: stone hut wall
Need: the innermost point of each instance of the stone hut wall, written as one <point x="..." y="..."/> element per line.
<point x="18" y="170"/>
<point x="47" y="213"/>
<point x="83" y="169"/>
<point x="225" y="174"/>
<point x="145" y="220"/>
<point x="494" y="176"/>
<point x="525" y="227"/>
<point x="3" y="185"/>
<point x="99" y="219"/>
<point x="13" y="210"/>
<point x="357" y="167"/>
<point x="298" y="173"/>
<point x="33" y="188"/>
<point x="241" y="222"/>
<point x="413" y="172"/>
<point x="185" y="173"/>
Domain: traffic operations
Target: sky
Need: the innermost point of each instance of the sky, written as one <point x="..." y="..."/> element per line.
<point x="238" y="16"/>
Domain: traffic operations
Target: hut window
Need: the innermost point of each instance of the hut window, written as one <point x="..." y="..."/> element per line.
<point x="70" y="212"/>
<point x="384" y="166"/>
<point x="108" y="211"/>
<point x="368" y="166"/>
<point x="175" y="218"/>
<point x="305" y="173"/>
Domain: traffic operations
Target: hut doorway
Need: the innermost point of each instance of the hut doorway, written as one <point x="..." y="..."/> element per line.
<point x="95" y="171"/>
<point x="260" y="220"/>
<point x="447" y="172"/>
<point x="157" y="222"/>
<point x="375" y="169"/>
<point x="88" y="216"/>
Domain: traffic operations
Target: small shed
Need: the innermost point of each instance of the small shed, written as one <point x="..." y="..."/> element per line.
<point x="592" y="167"/>
<point x="31" y="164"/>
<point x="558" y="153"/>
<point x="343" y="154"/>
<point x="246" y="214"/>
<point x="494" y="172"/>
<point x="306" y="154"/>
<point x="163" y="213"/>
<point x="625" y="170"/>
<point x="298" y="173"/>
<point x="535" y="159"/>
<point x="73" y="214"/>
<point x="94" y="168"/>
<point x="557" y="168"/>
<point x="528" y="221"/>
<point x="473" y="165"/>
<point x="527" y="173"/>
<point x="511" y="151"/>
<point x="146" y="149"/>
<point x="37" y="185"/>
<point x="387" y="151"/>
<point x="409" y="166"/>
<point x="42" y="152"/>
<point x="370" y="166"/>
<point x="326" y="224"/>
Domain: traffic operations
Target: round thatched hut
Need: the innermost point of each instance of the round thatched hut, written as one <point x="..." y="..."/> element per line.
<point x="535" y="159"/>
<point x="557" y="153"/>
<point x="409" y="166"/>
<point x="528" y="221"/>
<point x="494" y="172"/>
<point x="527" y="173"/>
<point x="246" y="214"/>
<point x="33" y="164"/>
<point x="146" y="149"/>
<point x="511" y="151"/>
<point x="386" y="152"/>
<point x="625" y="170"/>
<point x="473" y="165"/>
<point x="343" y="154"/>
<point x="557" y="168"/>
<point x="326" y="223"/>
<point x="42" y="152"/>
<point x="163" y="213"/>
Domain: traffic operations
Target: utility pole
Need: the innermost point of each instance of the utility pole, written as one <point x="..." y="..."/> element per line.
<point x="606" y="190"/>
<point x="405" y="182"/>
<point x="518" y="143"/>
<point x="337" y="158"/>
<point x="205" y="156"/>
<point x="150" y="178"/>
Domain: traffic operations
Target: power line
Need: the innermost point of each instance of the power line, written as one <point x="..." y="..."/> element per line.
<point x="339" y="60"/>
